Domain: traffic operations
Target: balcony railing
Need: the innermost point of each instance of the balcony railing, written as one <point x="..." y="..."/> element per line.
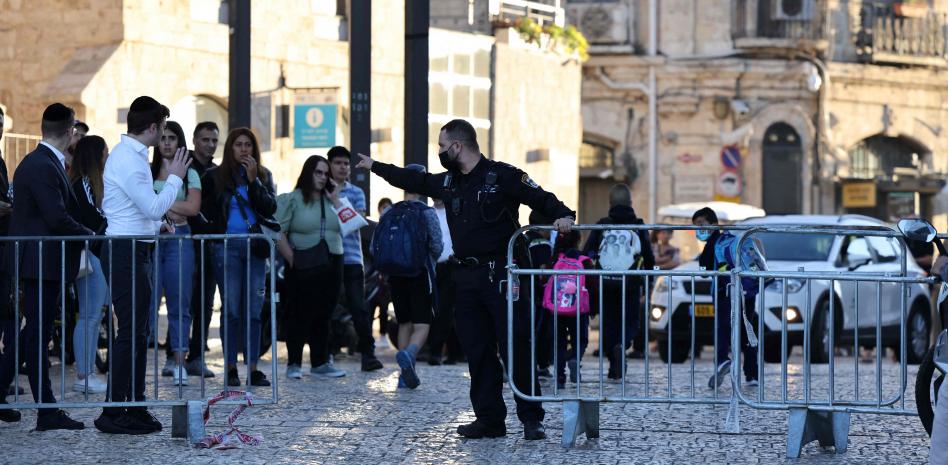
<point x="889" y="34"/>
<point x="780" y="24"/>
<point x="544" y="12"/>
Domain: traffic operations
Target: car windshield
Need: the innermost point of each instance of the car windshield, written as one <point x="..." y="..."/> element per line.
<point x="796" y="247"/>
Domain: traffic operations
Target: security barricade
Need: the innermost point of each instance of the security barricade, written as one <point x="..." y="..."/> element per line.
<point x="686" y="309"/>
<point x="255" y="284"/>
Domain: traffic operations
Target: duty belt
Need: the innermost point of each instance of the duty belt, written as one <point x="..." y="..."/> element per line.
<point x="476" y="261"/>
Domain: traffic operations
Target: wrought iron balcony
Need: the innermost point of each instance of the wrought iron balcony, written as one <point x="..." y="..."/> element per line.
<point x="902" y="34"/>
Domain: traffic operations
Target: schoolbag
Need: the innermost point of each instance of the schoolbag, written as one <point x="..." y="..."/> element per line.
<point x="751" y="258"/>
<point x="400" y="241"/>
<point x="619" y="249"/>
<point x="560" y="294"/>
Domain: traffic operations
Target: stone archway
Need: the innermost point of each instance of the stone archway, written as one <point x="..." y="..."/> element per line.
<point x="794" y="116"/>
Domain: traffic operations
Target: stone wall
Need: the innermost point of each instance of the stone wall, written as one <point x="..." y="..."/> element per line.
<point x="537" y="110"/>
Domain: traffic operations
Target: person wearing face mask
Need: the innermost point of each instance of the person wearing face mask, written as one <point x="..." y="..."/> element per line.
<point x="483" y="197"/>
<point x="718" y="255"/>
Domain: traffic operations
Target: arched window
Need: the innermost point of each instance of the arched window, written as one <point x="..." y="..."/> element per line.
<point x="879" y="156"/>
<point x="783" y="170"/>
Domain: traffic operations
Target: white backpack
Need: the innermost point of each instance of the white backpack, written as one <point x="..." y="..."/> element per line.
<point x="619" y="249"/>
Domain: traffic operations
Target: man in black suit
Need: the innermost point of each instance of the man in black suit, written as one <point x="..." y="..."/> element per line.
<point x="45" y="206"/>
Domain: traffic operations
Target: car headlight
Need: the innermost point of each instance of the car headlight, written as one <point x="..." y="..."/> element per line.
<point x="661" y="284"/>
<point x="793" y="285"/>
<point x="657" y="313"/>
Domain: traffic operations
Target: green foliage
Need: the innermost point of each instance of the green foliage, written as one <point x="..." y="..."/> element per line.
<point x="566" y="40"/>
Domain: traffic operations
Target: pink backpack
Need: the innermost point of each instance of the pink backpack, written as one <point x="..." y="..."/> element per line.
<point x="565" y="299"/>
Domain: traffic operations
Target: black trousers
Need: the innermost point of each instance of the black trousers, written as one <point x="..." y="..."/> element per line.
<point x="131" y="275"/>
<point x="481" y="316"/>
<point x="443" y="335"/>
<point x="202" y="311"/>
<point x="353" y="282"/>
<point x="314" y="295"/>
<point x="611" y="320"/>
<point x="34" y="340"/>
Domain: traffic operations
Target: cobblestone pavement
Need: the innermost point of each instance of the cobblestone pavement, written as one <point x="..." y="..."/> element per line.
<point x="363" y="419"/>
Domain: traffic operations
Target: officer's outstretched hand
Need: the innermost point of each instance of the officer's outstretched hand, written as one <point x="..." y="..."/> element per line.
<point x="364" y="162"/>
<point x="563" y="225"/>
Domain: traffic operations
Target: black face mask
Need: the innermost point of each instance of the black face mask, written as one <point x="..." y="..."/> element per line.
<point x="447" y="162"/>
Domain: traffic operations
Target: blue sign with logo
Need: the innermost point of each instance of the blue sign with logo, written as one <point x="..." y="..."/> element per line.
<point x="314" y="125"/>
<point x="731" y="157"/>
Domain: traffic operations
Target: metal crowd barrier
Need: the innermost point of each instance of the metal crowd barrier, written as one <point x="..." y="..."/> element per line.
<point x="187" y="402"/>
<point x="685" y="298"/>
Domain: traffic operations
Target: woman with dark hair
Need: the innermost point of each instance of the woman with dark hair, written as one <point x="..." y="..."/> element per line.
<point x="312" y="246"/>
<point x="238" y="195"/>
<point x="175" y="257"/>
<point x="92" y="291"/>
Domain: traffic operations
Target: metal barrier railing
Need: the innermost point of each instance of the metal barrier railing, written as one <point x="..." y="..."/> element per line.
<point x="228" y="254"/>
<point x="683" y="308"/>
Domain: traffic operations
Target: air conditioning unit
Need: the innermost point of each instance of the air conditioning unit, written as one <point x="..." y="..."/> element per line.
<point x="602" y="22"/>
<point x="791" y="10"/>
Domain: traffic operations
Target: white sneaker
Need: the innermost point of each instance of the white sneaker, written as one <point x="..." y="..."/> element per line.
<point x="180" y="376"/>
<point x="294" y="372"/>
<point x="382" y="342"/>
<point x="95" y="385"/>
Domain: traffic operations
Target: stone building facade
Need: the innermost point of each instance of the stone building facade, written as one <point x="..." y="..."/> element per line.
<point x="98" y="55"/>
<point x="795" y="106"/>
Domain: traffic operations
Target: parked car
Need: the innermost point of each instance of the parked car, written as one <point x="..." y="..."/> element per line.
<point x="809" y="252"/>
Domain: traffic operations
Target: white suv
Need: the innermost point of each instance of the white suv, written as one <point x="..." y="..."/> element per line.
<point x="809" y="252"/>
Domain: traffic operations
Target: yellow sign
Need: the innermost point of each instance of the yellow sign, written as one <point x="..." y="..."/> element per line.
<point x="859" y="195"/>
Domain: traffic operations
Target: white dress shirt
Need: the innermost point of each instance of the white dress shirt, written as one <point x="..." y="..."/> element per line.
<point x="130" y="203"/>
<point x="448" y="249"/>
<point x="59" y="155"/>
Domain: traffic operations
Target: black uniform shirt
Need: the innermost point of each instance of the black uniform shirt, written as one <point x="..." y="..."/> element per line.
<point x="482" y="206"/>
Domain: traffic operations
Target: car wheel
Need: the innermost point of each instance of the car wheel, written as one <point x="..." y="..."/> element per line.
<point x="679" y="353"/>
<point x="820" y="333"/>
<point x="917" y="331"/>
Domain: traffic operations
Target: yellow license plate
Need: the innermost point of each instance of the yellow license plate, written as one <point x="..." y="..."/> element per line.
<point x="704" y="310"/>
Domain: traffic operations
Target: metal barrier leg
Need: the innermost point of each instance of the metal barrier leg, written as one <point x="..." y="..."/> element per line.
<point x="806" y="426"/>
<point x="187" y="421"/>
<point x="579" y="417"/>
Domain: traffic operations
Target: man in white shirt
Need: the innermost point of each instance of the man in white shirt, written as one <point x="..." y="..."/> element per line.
<point x="443" y="336"/>
<point x="133" y="209"/>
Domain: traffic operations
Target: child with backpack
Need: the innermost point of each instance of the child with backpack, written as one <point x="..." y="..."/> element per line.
<point x="720" y="254"/>
<point x="406" y="245"/>
<point x="621" y="250"/>
<point x="567" y="297"/>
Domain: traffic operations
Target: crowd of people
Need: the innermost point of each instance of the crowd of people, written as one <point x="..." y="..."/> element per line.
<point x="441" y="267"/>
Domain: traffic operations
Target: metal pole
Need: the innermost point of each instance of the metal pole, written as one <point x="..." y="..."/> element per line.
<point x="360" y="85"/>
<point x="238" y="102"/>
<point x="652" y="113"/>
<point x="417" y="16"/>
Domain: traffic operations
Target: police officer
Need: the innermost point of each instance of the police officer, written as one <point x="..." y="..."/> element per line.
<point x="482" y="198"/>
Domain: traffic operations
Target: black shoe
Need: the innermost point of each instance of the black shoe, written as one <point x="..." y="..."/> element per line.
<point x="143" y="416"/>
<point x="122" y="423"/>
<point x="232" y="378"/>
<point x="533" y="431"/>
<point x="616" y="362"/>
<point x="9" y="415"/>
<point x="57" y="420"/>
<point x="435" y="360"/>
<point x="544" y="372"/>
<point x="479" y="430"/>
<point x="371" y="363"/>
<point x="16" y="390"/>
<point x="257" y="378"/>
<point x="450" y="361"/>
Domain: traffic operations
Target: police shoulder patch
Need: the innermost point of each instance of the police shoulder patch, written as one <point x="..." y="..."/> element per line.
<point x="526" y="180"/>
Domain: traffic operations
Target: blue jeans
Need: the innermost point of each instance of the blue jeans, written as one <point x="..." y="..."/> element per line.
<point x="174" y="256"/>
<point x="242" y="298"/>
<point x="93" y="293"/>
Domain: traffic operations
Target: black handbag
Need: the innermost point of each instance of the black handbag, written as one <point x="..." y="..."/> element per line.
<point x="259" y="248"/>
<point x="317" y="256"/>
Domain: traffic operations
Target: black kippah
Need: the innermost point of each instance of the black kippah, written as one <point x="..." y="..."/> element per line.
<point x="144" y="104"/>
<point x="57" y="113"/>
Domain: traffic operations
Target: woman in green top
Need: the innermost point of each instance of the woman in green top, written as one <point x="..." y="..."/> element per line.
<point x="312" y="247"/>
<point x="175" y="257"/>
